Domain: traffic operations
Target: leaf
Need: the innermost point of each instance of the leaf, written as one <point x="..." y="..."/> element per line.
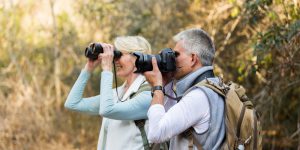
<point x="235" y="12"/>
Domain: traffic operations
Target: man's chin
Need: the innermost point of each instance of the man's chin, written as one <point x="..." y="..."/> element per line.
<point x="177" y="76"/>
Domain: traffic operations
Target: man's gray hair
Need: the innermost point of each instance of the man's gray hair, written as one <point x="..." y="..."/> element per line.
<point x="199" y="42"/>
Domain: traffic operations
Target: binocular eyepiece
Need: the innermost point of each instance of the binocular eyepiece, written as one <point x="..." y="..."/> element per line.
<point x="165" y="59"/>
<point x="93" y="50"/>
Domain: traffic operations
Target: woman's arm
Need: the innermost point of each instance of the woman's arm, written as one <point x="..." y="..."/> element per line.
<point x="133" y="109"/>
<point x="76" y="102"/>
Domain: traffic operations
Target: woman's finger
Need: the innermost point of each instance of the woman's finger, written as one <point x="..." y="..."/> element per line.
<point x="107" y="48"/>
<point x="104" y="46"/>
<point x="102" y="55"/>
<point x="99" y="57"/>
<point x="111" y="49"/>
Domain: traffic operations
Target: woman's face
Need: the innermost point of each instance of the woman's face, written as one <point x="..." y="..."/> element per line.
<point x="125" y="66"/>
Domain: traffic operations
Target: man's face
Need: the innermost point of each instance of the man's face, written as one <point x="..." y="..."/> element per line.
<point x="183" y="61"/>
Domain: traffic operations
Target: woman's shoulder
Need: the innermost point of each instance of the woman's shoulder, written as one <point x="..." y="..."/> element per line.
<point x="145" y="87"/>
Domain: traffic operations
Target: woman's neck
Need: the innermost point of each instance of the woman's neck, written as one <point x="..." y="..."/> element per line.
<point x="130" y="79"/>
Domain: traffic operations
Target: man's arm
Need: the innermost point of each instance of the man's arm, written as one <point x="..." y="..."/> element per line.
<point x="192" y="110"/>
<point x="158" y="98"/>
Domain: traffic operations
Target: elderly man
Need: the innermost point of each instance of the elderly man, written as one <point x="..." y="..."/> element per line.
<point x="175" y="109"/>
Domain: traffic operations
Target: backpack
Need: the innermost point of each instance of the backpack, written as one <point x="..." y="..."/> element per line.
<point x="141" y="125"/>
<point x="243" y="129"/>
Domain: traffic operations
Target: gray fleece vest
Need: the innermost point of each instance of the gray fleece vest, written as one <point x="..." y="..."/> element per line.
<point x="213" y="138"/>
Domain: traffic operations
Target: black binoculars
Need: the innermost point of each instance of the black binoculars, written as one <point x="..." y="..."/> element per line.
<point x="165" y="59"/>
<point x="93" y="50"/>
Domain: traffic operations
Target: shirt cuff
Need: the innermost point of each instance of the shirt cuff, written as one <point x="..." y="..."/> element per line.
<point x="85" y="73"/>
<point x="106" y="73"/>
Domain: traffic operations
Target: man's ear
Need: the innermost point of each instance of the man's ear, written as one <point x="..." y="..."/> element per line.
<point x="195" y="59"/>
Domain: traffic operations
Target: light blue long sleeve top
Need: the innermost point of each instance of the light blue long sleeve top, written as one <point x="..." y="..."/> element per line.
<point x="106" y="104"/>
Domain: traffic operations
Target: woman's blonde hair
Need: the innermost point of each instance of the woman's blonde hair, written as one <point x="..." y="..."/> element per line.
<point x="132" y="44"/>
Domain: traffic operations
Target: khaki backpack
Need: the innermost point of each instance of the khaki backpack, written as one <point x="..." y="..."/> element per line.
<point x="243" y="130"/>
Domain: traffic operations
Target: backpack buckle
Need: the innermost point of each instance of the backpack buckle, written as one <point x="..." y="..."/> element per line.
<point x="240" y="143"/>
<point x="226" y="88"/>
<point x="221" y="86"/>
<point x="139" y="123"/>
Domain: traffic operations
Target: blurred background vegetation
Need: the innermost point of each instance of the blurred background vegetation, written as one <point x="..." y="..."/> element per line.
<point x="41" y="55"/>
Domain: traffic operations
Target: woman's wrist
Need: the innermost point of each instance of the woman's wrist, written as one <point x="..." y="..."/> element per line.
<point x="88" y="68"/>
<point x="107" y="68"/>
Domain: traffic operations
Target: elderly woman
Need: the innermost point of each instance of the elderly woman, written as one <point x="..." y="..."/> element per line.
<point x="119" y="109"/>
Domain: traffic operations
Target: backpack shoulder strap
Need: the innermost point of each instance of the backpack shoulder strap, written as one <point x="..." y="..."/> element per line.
<point x="221" y="89"/>
<point x="141" y="123"/>
<point x="143" y="87"/>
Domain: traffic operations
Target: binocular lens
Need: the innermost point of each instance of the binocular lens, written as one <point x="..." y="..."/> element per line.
<point x="93" y="50"/>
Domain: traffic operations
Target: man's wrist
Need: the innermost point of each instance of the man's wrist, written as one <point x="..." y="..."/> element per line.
<point x="156" y="88"/>
<point x="158" y="92"/>
<point x="158" y="97"/>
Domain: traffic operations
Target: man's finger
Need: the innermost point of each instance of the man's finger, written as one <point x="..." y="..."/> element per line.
<point x="154" y="63"/>
<point x="145" y="74"/>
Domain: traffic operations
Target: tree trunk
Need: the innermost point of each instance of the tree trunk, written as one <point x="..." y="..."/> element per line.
<point x="56" y="59"/>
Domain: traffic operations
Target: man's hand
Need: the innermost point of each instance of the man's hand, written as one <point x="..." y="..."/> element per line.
<point x="167" y="77"/>
<point x="154" y="77"/>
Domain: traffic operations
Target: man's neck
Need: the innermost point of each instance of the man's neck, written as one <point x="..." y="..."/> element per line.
<point x="186" y="82"/>
<point x="198" y="66"/>
<point x="193" y="69"/>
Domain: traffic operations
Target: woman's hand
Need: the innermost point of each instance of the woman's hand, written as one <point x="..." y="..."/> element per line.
<point x="107" y="57"/>
<point x="92" y="64"/>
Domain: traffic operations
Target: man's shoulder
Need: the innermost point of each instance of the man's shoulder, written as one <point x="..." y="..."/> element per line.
<point x="195" y="93"/>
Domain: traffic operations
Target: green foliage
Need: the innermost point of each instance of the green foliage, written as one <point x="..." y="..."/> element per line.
<point x="148" y="18"/>
<point x="277" y="51"/>
<point x="257" y="45"/>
